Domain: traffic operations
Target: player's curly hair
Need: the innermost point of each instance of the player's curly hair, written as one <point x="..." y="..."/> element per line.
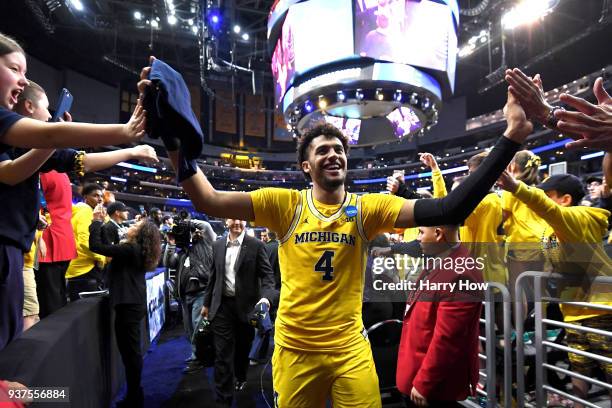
<point x="320" y="129"/>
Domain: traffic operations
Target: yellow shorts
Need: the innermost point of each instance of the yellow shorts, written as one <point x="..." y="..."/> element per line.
<point x="30" y="299"/>
<point x="308" y="379"/>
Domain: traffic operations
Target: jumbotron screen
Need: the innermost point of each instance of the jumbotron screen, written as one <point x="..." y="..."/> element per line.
<point x="350" y="127"/>
<point x="283" y="60"/>
<point x="401" y="31"/>
<point x="314" y="33"/>
<point x="404" y="121"/>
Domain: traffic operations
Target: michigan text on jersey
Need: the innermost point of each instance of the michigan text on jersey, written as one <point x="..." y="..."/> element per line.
<point x="324" y="236"/>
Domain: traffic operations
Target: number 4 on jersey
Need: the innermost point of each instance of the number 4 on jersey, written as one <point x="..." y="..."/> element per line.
<point x="324" y="265"/>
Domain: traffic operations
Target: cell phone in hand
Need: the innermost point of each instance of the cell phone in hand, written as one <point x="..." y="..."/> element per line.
<point x="64" y="103"/>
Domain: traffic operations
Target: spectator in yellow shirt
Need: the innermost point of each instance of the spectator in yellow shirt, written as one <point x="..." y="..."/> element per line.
<point x="84" y="273"/>
<point x="572" y="241"/>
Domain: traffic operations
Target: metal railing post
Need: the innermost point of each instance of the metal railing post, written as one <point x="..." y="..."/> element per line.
<point x="540" y="353"/>
<point x="520" y="351"/>
<point x="490" y="349"/>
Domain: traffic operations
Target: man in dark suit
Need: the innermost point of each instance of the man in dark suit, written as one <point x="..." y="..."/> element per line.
<point x="241" y="278"/>
<point x="113" y="231"/>
<point x="437" y="363"/>
<point x="272" y="249"/>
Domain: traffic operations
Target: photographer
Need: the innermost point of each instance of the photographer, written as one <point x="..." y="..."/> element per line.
<point x="189" y="253"/>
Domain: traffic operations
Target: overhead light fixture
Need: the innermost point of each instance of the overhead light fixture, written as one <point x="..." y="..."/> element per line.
<point x="137" y="15"/>
<point x="359" y="94"/>
<point x="154" y="24"/>
<point x="379" y="94"/>
<point x="172" y="19"/>
<point x="194" y="29"/>
<point x="340" y="96"/>
<point x="398" y="95"/>
<point x="190" y="21"/>
<point x="245" y="36"/>
<point x="237" y="29"/>
<point x="527" y="11"/>
<point x="308" y="106"/>
<point x="77" y="5"/>
<point x="322" y="102"/>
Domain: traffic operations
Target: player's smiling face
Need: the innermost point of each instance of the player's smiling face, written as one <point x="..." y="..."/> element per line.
<point x="326" y="162"/>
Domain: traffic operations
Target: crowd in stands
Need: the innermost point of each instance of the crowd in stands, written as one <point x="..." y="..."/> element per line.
<point x="53" y="251"/>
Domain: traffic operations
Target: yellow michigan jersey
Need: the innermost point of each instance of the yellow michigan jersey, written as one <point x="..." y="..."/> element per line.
<point x="322" y="256"/>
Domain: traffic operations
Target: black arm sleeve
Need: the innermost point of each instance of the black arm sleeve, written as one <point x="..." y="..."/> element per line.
<point x="458" y="205"/>
<point x="407" y="193"/>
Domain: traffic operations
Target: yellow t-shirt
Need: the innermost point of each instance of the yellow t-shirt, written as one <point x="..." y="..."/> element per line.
<point x="322" y="257"/>
<point x="82" y="216"/>
<point x="523" y="225"/>
<point x="28" y="257"/>
<point x="573" y="242"/>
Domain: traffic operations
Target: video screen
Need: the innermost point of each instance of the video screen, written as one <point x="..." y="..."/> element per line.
<point x="350" y="127"/>
<point x="415" y="32"/>
<point x="404" y="121"/>
<point x="283" y="60"/>
<point x="321" y="31"/>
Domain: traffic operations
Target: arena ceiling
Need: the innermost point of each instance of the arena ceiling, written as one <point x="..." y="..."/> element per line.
<point x="106" y="40"/>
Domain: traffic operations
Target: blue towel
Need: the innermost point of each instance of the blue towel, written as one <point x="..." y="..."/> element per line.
<point x="169" y="116"/>
<point x="261" y="320"/>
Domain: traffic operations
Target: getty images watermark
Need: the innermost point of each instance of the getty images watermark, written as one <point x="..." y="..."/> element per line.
<point x="411" y="265"/>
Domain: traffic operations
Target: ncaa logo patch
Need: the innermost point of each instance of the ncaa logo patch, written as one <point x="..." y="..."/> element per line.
<point x="350" y="211"/>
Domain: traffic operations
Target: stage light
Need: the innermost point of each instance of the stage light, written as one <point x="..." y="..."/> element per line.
<point x="425" y="103"/>
<point x="359" y="94"/>
<point x="379" y="94"/>
<point x="77" y="5"/>
<point x="190" y="22"/>
<point x="172" y="19"/>
<point x="154" y="23"/>
<point x="245" y="36"/>
<point x="137" y="15"/>
<point x="398" y="95"/>
<point x="322" y="102"/>
<point x="308" y="106"/>
<point x="194" y="29"/>
<point x="340" y="96"/>
<point x="237" y="29"/>
<point x="466" y="50"/>
<point x="414" y="99"/>
<point x="214" y="19"/>
<point x="527" y="12"/>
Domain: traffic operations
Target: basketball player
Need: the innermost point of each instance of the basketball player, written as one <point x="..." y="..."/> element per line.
<point x="322" y="350"/>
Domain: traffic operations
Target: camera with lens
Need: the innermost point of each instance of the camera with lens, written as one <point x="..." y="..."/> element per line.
<point x="184" y="233"/>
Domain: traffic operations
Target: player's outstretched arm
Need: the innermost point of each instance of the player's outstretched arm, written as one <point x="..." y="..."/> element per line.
<point x="457" y="206"/>
<point x="222" y="204"/>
